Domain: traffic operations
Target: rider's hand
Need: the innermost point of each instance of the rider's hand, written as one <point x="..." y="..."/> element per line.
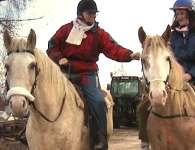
<point x="135" y="56"/>
<point x="63" y="61"/>
<point x="187" y="77"/>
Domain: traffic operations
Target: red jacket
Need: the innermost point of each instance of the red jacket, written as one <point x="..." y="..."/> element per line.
<point x="83" y="58"/>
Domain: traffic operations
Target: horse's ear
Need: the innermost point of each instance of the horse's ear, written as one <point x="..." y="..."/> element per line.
<point x="31" y="40"/>
<point x="167" y="34"/>
<point x="7" y="40"/>
<point x="141" y="35"/>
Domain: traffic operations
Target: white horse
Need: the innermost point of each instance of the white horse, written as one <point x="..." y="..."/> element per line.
<point x="35" y="83"/>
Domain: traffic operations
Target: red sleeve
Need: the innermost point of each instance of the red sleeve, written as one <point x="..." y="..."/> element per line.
<point x="112" y="50"/>
<point x="55" y="49"/>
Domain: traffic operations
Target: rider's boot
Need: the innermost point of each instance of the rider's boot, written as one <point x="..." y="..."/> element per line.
<point x="102" y="143"/>
<point x="144" y="146"/>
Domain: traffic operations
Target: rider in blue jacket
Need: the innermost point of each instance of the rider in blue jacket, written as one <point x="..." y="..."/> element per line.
<point x="183" y="46"/>
<point x="183" y="37"/>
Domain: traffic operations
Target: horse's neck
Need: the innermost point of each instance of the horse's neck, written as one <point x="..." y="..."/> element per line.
<point x="50" y="101"/>
<point x="49" y="95"/>
<point x="176" y="76"/>
<point x="75" y="96"/>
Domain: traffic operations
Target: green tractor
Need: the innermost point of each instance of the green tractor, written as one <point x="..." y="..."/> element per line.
<point x="126" y="93"/>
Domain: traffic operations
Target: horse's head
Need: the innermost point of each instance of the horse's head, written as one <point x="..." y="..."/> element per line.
<point x="156" y="64"/>
<point x="21" y="71"/>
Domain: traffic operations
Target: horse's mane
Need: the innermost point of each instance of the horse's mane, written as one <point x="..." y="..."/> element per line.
<point x="55" y="82"/>
<point x="176" y="74"/>
<point x="51" y="72"/>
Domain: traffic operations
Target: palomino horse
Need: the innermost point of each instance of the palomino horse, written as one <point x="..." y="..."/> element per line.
<point x="57" y="120"/>
<point x="171" y="122"/>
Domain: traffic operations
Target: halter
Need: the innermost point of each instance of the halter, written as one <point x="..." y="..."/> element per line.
<point x="168" y="87"/>
<point x="157" y="79"/>
<point x="37" y="71"/>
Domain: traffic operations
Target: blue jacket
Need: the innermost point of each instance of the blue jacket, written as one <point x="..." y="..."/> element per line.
<point x="184" y="50"/>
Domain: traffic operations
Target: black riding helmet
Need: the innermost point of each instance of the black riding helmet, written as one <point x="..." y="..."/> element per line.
<point x="86" y="5"/>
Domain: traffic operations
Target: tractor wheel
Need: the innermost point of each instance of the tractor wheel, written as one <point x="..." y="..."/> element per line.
<point x="116" y="116"/>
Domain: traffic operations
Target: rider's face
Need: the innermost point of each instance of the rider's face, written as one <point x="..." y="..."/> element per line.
<point x="182" y="17"/>
<point x="89" y="17"/>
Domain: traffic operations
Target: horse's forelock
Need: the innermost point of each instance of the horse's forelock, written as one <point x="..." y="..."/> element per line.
<point x="154" y="45"/>
<point x="18" y="45"/>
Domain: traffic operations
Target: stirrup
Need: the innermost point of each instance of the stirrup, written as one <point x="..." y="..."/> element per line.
<point x="144" y="146"/>
<point x="100" y="147"/>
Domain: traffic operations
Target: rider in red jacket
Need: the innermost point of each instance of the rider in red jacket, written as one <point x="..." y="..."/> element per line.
<point x="83" y="57"/>
<point x="81" y="42"/>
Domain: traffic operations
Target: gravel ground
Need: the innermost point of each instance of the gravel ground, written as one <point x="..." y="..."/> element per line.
<point x="124" y="139"/>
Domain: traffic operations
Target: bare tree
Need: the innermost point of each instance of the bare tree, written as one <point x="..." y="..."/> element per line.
<point x="10" y="11"/>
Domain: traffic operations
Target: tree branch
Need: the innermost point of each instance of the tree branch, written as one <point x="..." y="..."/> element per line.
<point x="15" y="20"/>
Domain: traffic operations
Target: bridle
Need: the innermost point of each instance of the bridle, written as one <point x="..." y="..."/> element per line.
<point x="168" y="87"/>
<point x="37" y="71"/>
<point x="157" y="79"/>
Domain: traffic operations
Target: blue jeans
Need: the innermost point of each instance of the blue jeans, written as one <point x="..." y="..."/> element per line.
<point x="95" y="100"/>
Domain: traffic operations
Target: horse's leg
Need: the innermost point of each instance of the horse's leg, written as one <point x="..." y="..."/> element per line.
<point x="143" y="114"/>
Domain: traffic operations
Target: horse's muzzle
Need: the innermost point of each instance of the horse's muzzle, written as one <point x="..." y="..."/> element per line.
<point x="19" y="105"/>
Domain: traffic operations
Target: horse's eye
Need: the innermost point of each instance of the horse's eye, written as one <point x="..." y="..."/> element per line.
<point x="32" y="66"/>
<point x="168" y="58"/>
<point x="145" y="63"/>
<point x="6" y="67"/>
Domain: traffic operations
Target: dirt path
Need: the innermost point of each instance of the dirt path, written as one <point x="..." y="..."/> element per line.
<point x="124" y="139"/>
